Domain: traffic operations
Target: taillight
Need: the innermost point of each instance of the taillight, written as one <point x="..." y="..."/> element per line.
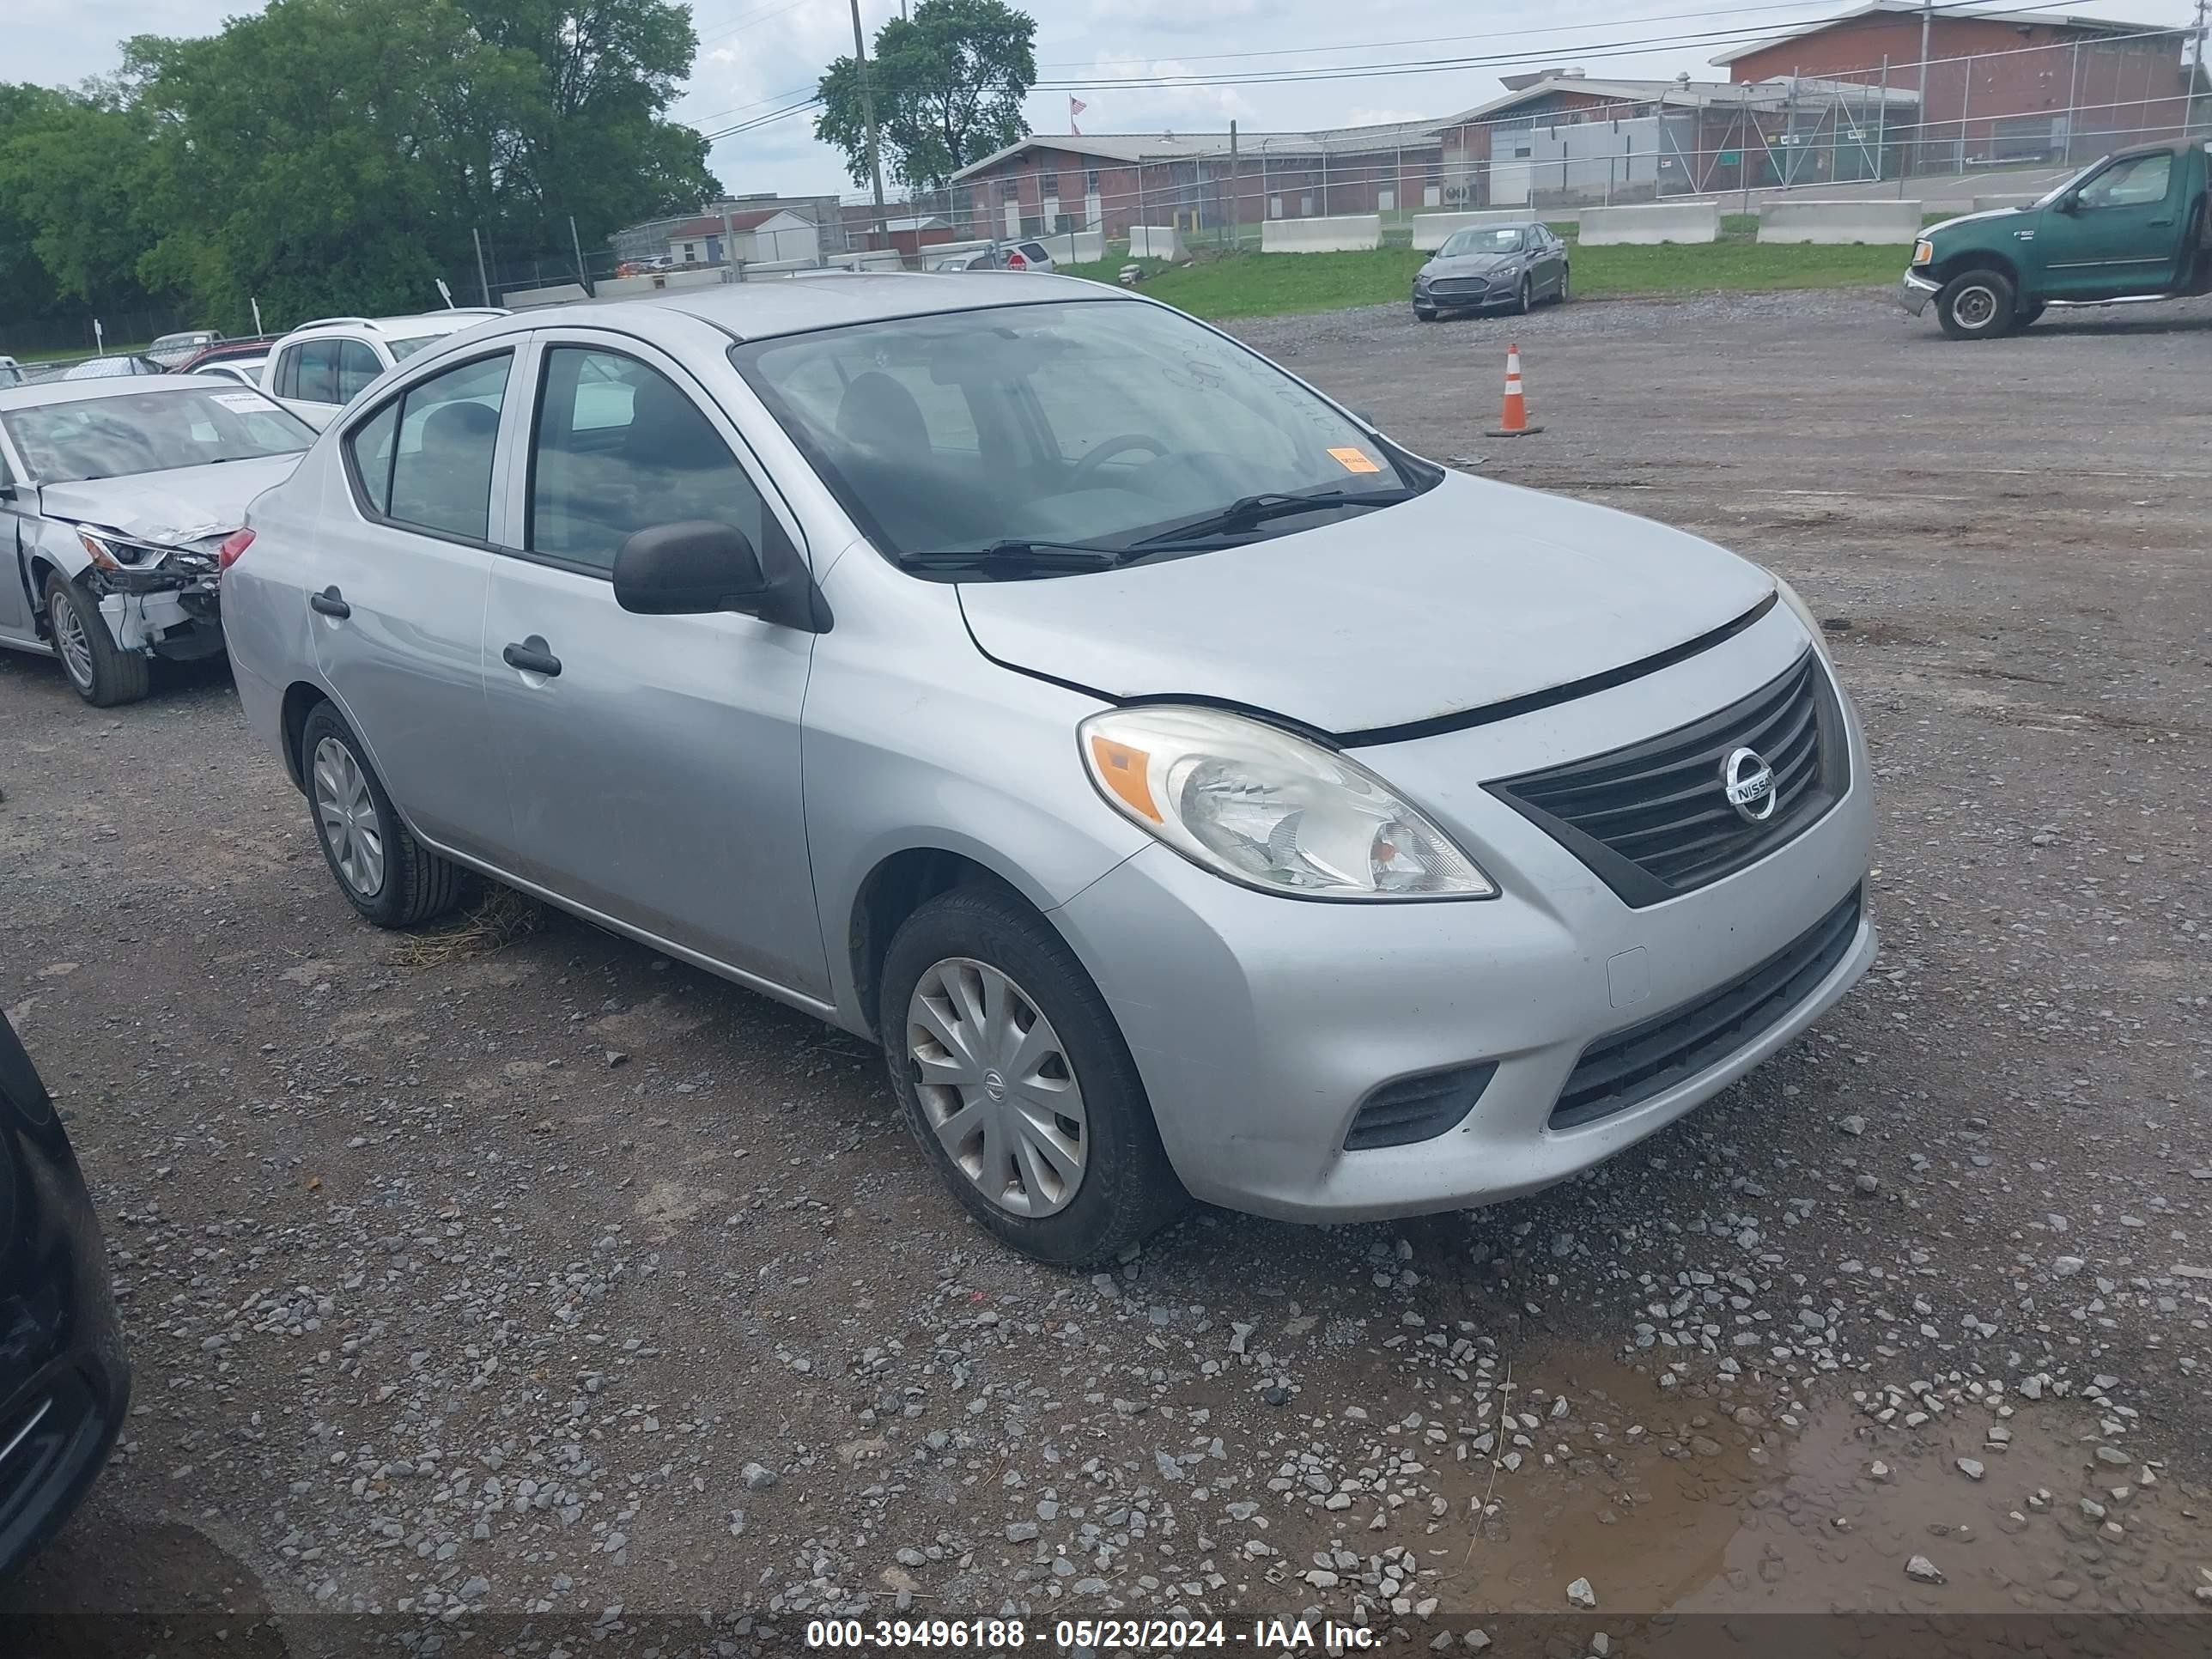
<point x="232" y="545"/>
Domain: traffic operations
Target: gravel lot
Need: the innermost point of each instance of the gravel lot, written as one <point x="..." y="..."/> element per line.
<point x="558" y="1279"/>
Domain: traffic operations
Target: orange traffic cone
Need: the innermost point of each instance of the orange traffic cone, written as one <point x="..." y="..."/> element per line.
<point x="1513" y="423"/>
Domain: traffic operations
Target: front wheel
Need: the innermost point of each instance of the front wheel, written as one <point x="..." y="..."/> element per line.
<point x="1523" y="299"/>
<point x="1565" y="272"/>
<point x="1425" y="313"/>
<point x="100" y="670"/>
<point x="1977" y="305"/>
<point x="1017" y="1082"/>
<point x="384" y="871"/>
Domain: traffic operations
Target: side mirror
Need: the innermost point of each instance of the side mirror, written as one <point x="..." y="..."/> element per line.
<point x="2068" y="204"/>
<point x="700" y="567"/>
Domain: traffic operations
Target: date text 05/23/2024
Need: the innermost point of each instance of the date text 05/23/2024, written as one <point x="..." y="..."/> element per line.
<point x="989" y="1636"/>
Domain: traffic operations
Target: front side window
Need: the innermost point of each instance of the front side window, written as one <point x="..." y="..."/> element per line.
<point x="152" y="432"/>
<point x="424" y="458"/>
<point x="2135" y="182"/>
<point x="619" y="448"/>
<point x="1102" y="423"/>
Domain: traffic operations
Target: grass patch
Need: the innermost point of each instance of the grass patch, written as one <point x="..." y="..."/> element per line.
<point x="1233" y="285"/>
<point x="498" y="919"/>
<point x="71" y="353"/>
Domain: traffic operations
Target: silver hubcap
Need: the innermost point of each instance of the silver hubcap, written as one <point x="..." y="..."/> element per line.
<point x="348" y="815"/>
<point x="77" y="649"/>
<point x="996" y="1087"/>
<point x="1975" y="307"/>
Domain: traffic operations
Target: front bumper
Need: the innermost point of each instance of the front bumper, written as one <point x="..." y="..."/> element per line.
<point x="1260" y="1025"/>
<point x="1914" y="291"/>
<point x="1482" y="302"/>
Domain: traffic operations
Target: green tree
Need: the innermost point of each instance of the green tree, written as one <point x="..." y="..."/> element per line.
<point x="949" y="85"/>
<point x="70" y="226"/>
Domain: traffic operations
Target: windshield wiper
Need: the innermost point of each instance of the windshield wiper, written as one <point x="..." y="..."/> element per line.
<point x="1249" y="512"/>
<point x="1016" y="555"/>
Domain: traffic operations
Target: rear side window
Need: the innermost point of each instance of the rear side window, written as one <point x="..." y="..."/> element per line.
<point x="619" y="447"/>
<point x="316" y="373"/>
<point x="357" y="367"/>
<point x="424" y="459"/>
<point x="2135" y="182"/>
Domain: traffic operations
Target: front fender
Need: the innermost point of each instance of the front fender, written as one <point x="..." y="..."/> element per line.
<point x="55" y="545"/>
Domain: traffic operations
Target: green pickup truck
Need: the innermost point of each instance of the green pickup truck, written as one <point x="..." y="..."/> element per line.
<point x="2133" y="225"/>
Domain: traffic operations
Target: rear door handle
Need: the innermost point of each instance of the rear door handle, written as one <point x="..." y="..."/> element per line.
<point x="531" y="658"/>
<point x="2161" y="224"/>
<point x="330" y="603"/>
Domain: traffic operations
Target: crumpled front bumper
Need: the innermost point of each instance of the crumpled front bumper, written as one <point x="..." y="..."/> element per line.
<point x="1915" y="291"/>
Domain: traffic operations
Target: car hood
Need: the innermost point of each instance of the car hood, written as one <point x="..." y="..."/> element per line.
<point x="1471" y="264"/>
<point x="168" y="509"/>
<point x="1470" y="594"/>
<point x="1927" y="231"/>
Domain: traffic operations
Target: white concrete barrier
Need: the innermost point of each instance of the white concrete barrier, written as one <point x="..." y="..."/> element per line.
<point x="1984" y="203"/>
<point x="1339" y="234"/>
<point x="882" y="258"/>
<point x="1075" y="247"/>
<point x="1432" y="230"/>
<point x="613" y="287"/>
<point x="1156" y="242"/>
<point x="1657" y="221"/>
<point x="1874" y="222"/>
<point x="709" y="276"/>
<point x="557" y="293"/>
<point x="756" y="271"/>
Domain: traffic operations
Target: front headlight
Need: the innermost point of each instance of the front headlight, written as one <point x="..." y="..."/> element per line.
<point x="1791" y="597"/>
<point x="1269" y="810"/>
<point x="1923" y="252"/>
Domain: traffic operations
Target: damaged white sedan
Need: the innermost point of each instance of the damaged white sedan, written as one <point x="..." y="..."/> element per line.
<point x="116" y="497"/>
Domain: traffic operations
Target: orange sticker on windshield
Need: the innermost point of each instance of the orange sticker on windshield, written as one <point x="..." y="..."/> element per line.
<point x="1354" y="460"/>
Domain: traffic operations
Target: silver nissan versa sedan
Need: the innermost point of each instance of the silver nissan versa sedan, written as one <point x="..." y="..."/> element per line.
<point x="1196" y="794"/>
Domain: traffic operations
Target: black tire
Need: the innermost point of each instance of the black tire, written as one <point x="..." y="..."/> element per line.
<point x="1526" y="298"/>
<point x="1425" y="313"/>
<point x="416" y="884"/>
<point x="2026" y="314"/>
<point x="110" y="675"/>
<point x="1565" y="271"/>
<point x="1977" y="305"/>
<point x="1127" y="1190"/>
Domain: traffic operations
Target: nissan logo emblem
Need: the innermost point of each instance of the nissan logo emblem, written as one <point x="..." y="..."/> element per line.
<point x="1749" y="783"/>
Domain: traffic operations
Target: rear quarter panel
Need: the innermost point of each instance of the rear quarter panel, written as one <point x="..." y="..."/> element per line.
<point x="264" y="600"/>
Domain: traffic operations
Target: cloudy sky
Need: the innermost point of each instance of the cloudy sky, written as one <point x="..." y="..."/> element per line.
<point x="757" y="56"/>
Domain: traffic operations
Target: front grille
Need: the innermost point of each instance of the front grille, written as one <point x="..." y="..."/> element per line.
<point x="1654" y="820"/>
<point x="1418" y="1107"/>
<point x="1631" y="1066"/>
<point x="1460" y="285"/>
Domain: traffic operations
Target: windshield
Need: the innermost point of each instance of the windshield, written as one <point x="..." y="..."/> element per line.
<point x="1090" y="422"/>
<point x="401" y="350"/>
<point x="1490" y="238"/>
<point x="151" y="432"/>
<point x="2067" y="183"/>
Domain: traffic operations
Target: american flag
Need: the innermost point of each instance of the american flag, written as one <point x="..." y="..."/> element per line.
<point x="1075" y="107"/>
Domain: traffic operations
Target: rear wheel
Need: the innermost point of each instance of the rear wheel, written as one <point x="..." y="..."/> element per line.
<point x="1977" y="305"/>
<point x="1017" y="1082"/>
<point x="101" y="671"/>
<point x="384" y="871"/>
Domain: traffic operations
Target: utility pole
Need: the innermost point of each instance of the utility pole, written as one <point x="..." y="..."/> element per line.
<point x="1927" y="16"/>
<point x="483" y="281"/>
<point x="868" y="114"/>
<point x="583" y="277"/>
<point x="2196" y="74"/>
<point x="1236" y="204"/>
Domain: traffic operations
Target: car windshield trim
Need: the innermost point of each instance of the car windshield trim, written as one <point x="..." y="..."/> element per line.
<point x="89" y="439"/>
<point x="1063" y="422"/>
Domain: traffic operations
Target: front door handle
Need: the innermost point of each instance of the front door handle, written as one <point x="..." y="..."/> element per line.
<point x="2161" y="224"/>
<point x="531" y="657"/>
<point x="330" y="602"/>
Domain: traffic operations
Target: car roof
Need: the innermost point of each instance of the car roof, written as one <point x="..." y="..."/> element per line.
<point x="41" y="393"/>
<point x="797" y="305"/>
<point x="406" y="326"/>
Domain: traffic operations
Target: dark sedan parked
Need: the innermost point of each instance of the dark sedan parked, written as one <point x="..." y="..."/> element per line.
<point x="65" y="1387"/>
<point x="1490" y="267"/>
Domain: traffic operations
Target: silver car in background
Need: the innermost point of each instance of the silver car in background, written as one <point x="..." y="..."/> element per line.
<point x="1192" y="791"/>
<point x="115" y="497"/>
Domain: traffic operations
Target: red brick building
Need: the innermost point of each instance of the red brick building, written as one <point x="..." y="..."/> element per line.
<point x="1999" y="87"/>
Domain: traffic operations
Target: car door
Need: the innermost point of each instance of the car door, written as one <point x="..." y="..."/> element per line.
<point x="2119" y="232"/>
<point x="398" y="582"/>
<point x="14" y="531"/>
<point x="651" y="761"/>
